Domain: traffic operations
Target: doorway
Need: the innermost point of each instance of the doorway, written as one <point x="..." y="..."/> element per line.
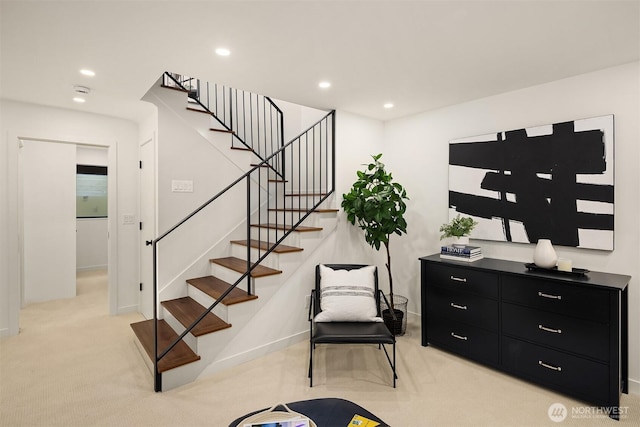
<point x="49" y="223"/>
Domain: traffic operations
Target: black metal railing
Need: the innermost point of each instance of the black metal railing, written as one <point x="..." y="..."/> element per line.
<point x="277" y="202"/>
<point x="255" y="120"/>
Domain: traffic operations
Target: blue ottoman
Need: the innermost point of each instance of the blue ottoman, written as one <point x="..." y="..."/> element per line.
<point x="328" y="412"/>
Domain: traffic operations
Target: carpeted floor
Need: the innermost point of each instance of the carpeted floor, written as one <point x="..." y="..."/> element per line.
<point x="74" y="365"/>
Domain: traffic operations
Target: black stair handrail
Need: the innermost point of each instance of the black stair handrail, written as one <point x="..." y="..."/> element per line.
<point x="317" y="187"/>
<point x="254" y="120"/>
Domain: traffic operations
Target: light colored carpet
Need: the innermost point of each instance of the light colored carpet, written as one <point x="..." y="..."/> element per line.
<point x="74" y="365"/>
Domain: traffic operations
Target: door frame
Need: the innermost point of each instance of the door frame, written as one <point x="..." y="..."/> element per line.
<point x="16" y="222"/>
<point x="148" y="231"/>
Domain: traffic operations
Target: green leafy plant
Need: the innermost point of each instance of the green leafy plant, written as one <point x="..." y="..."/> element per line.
<point x="376" y="204"/>
<point x="457" y="227"/>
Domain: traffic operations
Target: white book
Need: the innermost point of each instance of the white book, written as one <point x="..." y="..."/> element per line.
<point x="462" y="258"/>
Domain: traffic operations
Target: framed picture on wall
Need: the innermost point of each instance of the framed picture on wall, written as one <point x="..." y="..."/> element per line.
<point x="554" y="182"/>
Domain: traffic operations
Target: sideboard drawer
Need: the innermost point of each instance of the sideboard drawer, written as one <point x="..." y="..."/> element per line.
<point x="566" y="333"/>
<point x="573" y="374"/>
<point x="465" y="339"/>
<point x="469" y="280"/>
<point x="463" y="307"/>
<point x="579" y="301"/>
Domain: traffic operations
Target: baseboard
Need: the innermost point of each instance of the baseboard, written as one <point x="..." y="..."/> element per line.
<point x="92" y="267"/>
<point x="4" y="332"/>
<point x="128" y="309"/>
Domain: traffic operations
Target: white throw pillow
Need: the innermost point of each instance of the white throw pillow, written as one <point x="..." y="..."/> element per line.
<point x="347" y="295"/>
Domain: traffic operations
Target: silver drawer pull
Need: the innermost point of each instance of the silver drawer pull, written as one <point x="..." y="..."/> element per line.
<point x="555" y="331"/>
<point x="459" y="307"/>
<point x="553" y="368"/>
<point x="460" y="337"/>
<point x="542" y="294"/>
<point x="458" y="279"/>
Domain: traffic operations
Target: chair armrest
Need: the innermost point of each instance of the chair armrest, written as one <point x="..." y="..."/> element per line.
<point x="312" y="303"/>
<point x="393" y="313"/>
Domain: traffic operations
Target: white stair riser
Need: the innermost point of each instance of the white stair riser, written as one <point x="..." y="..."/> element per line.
<point x="205" y="300"/>
<point x="280" y="217"/>
<point x="293" y="239"/>
<point x="301" y="202"/>
<point x="179" y="328"/>
<point x="240" y="251"/>
<point x="181" y="375"/>
<point x="228" y="275"/>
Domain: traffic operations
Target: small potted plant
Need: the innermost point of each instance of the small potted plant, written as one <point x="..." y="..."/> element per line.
<point x="459" y="229"/>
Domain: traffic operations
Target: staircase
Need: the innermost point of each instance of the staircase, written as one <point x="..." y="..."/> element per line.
<point x="286" y="185"/>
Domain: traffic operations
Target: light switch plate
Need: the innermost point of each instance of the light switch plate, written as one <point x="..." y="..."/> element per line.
<point x="181" y="186"/>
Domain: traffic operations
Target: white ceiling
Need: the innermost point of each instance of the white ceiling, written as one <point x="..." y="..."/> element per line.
<point x="420" y="55"/>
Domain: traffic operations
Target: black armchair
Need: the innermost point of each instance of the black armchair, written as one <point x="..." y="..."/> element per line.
<point x="364" y="331"/>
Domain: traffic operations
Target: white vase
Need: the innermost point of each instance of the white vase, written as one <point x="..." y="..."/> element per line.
<point x="460" y="242"/>
<point x="544" y="255"/>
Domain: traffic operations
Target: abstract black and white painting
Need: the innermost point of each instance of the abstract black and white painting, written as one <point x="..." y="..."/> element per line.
<point x="553" y="182"/>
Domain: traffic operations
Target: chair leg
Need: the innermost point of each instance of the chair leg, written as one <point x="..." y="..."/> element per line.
<point x="392" y="362"/>
<point x="311" y="348"/>
<point x="395" y="376"/>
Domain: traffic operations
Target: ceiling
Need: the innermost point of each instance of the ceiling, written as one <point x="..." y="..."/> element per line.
<point x="419" y="55"/>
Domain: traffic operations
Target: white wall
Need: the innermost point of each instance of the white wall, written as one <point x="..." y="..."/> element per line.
<point x="87" y="155"/>
<point x="91" y="243"/>
<point x="91" y="233"/>
<point x="28" y="120"/>
<point x="297" y="118"/>
<point x="417" y="149"/>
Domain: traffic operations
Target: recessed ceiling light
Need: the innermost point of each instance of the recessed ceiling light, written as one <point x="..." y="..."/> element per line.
<point x="86" y="72"/>
<point x="79" y="100"/>
<point x="324" y="85"/>
<point x="388" y="105"/>
<point x="223" y="51"/>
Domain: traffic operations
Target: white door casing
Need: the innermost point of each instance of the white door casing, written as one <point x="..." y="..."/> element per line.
<point x="148" y="220"/>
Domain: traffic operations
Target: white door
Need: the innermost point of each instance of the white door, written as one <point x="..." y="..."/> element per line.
<point x="49" y="220"/>
<point x="147" y="217"/>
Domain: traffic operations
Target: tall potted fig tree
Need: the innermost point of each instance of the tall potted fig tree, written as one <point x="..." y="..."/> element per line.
<point x="376" y="204"/>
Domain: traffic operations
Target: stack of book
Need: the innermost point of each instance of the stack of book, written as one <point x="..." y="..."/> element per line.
<point x="461" y="253"/>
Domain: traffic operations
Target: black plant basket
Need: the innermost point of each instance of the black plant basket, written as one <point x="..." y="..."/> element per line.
<point x="399" y="325"/>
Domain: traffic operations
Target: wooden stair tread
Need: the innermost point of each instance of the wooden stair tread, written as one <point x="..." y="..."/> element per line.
<point x="198" y="110"/>
<point x="186" y="310"/>
<point x="305" y="194"/>
<point x="263" y="245"/>
<point x="221" y="130"/>
<point x="240" y="265"/>
<point x="285" y="227"/>
<point x="179" y="355"/>
<point x="215" y="287"/>
<point x="317" y="210"/>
